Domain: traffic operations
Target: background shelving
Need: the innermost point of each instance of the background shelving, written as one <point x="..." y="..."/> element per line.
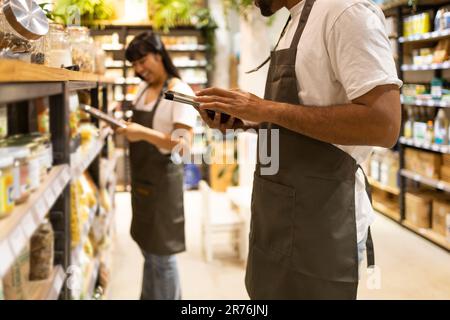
<point x="54" y="193"/>
<point x="392" y="201"/>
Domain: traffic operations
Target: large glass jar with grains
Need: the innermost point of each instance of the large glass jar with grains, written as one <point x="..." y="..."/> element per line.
<point x="23" y="26"/>
<point x="83" y="53"/>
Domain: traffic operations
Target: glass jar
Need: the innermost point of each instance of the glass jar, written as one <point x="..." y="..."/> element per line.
<point x="21" y="190"/>
<point x="14" y="45"/>
<point x="83" y="53"/>
<point x="6" y="186"/>
<point x="59" y="53"/>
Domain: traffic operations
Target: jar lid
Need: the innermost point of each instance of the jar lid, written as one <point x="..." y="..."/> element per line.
<point x="6" y="161"/>
<point x="16" y="152"/>
<point x="26" y="18"/>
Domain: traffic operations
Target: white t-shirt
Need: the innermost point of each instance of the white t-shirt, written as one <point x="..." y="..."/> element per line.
<point x="168" y="112"/>
<point x="343" y="53"/>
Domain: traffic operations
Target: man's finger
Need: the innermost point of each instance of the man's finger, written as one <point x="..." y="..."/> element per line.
<point x="205" y="99"/>
<point x="230" y="122"/>
<point x="215" y="92"/>
<point x="215" y="106"/>
<point x="217" y="117"/>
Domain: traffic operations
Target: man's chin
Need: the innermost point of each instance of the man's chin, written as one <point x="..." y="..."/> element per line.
<point x="266" y="12"/>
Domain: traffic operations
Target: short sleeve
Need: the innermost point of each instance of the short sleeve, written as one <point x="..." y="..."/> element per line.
<point x="360" y="51"/>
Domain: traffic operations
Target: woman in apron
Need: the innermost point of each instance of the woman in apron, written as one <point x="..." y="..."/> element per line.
<point x="157" y="182"/>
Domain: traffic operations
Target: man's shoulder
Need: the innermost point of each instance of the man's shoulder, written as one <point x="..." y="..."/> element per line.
<point x="336" y="7"/>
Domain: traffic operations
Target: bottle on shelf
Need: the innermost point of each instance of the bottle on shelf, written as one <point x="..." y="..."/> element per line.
<point x="409" y="123"/>
<point x="420" y="126"/>
<point x="441" y="128"/>
<point x="436" y="88"/>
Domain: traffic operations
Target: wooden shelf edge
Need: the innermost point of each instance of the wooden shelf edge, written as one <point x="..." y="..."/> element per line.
<point x="374" y="183"/>
<point x="388" y="212"/>
<point x="47" y="289"/>
<point x="19" y="71"/>
<point x="428" y="234"/>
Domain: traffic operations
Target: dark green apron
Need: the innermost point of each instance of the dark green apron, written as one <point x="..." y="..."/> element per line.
<point x="156" y="194"/>
<point x="303" y="241"/>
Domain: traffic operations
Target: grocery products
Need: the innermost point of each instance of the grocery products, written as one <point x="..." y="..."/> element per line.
<point x="425" y="163"/>
<point x="416" y="24"/>
<point x="3" y="121"/>
<point x="2" y="295"/>
<point x="418" y="208"/>
<point x="442" y="19"/>
<point x="16" y="279"/>
<point x="83" y="53"/>
<point x="59" y="52"/>
<point x="408" y="126"/>
<point x="43" y="115"/>
<point x="441" y="209"/>
<point x="20" y="172"/>
<point x="6" y="185"/>
<point x="441" y="128"/>
<point x="41" y="252"/>
<point x="22" y="31"/>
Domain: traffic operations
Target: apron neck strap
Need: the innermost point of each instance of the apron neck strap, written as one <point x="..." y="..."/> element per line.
<point x="302" y="23"/>
<point x="278" y="42"/>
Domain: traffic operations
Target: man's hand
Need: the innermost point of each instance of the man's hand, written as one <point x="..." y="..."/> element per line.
<point x="133" y="132"/>
<point x="236" y="103"/>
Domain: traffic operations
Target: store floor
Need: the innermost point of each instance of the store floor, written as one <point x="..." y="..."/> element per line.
<point x="410" y="267"/>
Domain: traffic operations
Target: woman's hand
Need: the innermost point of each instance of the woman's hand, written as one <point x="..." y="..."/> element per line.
<point x="133" y="132"/>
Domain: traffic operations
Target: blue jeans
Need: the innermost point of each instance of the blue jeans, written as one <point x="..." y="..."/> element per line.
<point x="160" y="279"/>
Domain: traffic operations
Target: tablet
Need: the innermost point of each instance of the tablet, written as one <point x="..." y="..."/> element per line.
<point x="183" y="98"/>
<point x="102" y="116"/>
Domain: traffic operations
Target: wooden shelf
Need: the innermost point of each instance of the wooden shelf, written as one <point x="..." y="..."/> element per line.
<point x="429" y="36"/>
<point x="425" y="146"/>
<point x="383" y="187"/>
<point x="388" y="211"/>
<point x="47" y="289"/>
<point x="19" y="226"/>
<point x="19" y="71"/>
<point x="438" y="184"/>
<point x="429" y="234"/>
<point x="426" y="103"/>
<point x="426" y="67"/>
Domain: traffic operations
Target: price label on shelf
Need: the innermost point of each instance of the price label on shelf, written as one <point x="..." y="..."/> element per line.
<point x="66" y="175"/>
<point x="435" y="147"/>
<point x="17" y="240"/>
<point x="57" y="284"/>
<point x="441" y="185"/>
<point x="417" y="177"/>
<point x="41" y="209"/>
<point x="7" y="257"/>
<point x="29" y="225"/>
<point x="49" y="197"/>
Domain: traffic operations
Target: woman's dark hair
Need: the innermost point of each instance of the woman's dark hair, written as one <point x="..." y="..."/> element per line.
<point x="149" y="42"/>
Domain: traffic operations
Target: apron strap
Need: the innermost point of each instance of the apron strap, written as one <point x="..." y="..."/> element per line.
<point x="158" y="100"/>
<point x="370" y="252"/>
<point x="276" y="46"/>
<point x="302" y="23"/>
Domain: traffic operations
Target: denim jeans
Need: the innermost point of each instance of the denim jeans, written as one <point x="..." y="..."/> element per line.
<point x="160" y="278"/>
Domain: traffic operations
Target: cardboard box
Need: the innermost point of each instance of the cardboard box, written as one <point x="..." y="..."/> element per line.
<point x="418" y="208"/>
<point x="427" y="164"/>
<point x="446" y="160"/>
<point x="445" y="173"/>
<point x="441" y="208"/>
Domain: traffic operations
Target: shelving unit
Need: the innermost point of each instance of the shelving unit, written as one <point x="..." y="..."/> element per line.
<point x="396" y="210"/>
<point x="425" y="103"/>
<point x="19" y="83"/>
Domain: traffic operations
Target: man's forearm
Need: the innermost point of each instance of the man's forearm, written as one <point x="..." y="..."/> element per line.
<point x="350" y="124"/>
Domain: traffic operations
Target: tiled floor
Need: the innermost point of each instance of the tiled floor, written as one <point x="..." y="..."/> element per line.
<point x="410" y="267"/>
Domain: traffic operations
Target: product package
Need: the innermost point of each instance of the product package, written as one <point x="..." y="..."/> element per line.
<point x="16" y="279"/>
<point x="41" y="252"/>
<point x="418" y="208"/>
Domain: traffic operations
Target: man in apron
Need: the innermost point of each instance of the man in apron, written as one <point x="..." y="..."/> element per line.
<point x="331" y="92"/>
